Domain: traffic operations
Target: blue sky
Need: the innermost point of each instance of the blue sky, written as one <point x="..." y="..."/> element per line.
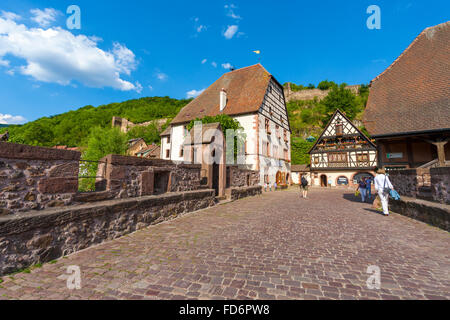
<point x="131" y="49"/>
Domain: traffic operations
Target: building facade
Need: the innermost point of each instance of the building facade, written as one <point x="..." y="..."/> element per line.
<point x="408" y="110"/>
<point x="253" y="97"/>
<point x="342" y="155"/>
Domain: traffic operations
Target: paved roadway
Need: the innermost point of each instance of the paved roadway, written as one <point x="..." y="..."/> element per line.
<point x="274" y="246"/>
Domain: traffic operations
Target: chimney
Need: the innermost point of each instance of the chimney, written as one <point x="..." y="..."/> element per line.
<point x="223" y="99"/>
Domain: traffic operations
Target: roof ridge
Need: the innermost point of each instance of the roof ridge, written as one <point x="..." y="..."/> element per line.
<point x="247" y="67"/>
<point x="424" y="31"/>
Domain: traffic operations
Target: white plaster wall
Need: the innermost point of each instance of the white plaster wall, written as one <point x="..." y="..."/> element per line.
<point x="164" y="146"/>
<point x="178" y="136"/>
<point x="335" y="174"/>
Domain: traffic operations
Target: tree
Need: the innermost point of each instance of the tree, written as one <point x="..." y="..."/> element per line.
<point x="341" y="98"/>
<point x="325" y="85"/>
<point x="150" y="133"/>
<point x="101" y="142"/>
<point x="299" y="151"/>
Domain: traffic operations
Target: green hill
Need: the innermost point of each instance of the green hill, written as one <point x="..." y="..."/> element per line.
<point x="72" y="128"/>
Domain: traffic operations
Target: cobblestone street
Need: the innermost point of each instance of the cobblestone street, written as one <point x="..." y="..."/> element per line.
<point x="274" y="246"/>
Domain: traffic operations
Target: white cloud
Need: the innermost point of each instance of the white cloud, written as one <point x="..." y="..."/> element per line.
<point x="231" y="12"/>
<point x="10" y="15"/>
<point x="4" y="63"/>
<point x="125" y="58"/>
<point x="9" y="119"/>
<point x="214" y="64"/>
<point x="162" y="76"/>
<point x="44" y="17"/>
<point x="194" y="93"/>
<point x="231" y="31"/>
<point x="55" y="55"/>
<point x="201" y="27"/>
<point x="204" y="61"/>
<point x="138" y="87"/>
<point x="227" y="65"/>
<point x="150" y="88"/>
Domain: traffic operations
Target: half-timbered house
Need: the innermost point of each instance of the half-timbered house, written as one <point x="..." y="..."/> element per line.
<point x="342" y="155"/>
<point x="252" y="96"/>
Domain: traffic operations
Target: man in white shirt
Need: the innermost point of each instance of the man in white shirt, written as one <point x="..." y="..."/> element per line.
<point x="383" y="185"/>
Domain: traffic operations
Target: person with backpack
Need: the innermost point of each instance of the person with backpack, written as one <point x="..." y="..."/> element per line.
<point x="304" y="186"/>
<point x="383" y="186"/>
<point x="362" y="189"/>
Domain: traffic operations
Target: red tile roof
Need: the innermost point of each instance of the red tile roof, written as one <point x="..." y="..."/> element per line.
<point x="413" y="94"/>
<point x="245" y="89"/>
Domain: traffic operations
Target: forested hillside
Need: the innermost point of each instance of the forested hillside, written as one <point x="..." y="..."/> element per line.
<point x="73" y="128"/>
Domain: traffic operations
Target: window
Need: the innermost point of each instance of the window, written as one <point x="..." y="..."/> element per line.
<point x="168" y="139"/>
<point x="342" y="181"/>
<point x="339" y="128"/>
<point x="337" y="157"/>
<point x="268" y="149"/>
<point x="286" y="154"/>
<point x="168" y="153"/>
<point x="362" y="157"/>
<point x="285" y="135"/>
<point x="182" y="152"/>
<point x="316" y="159"/>
<point x="267" y="126"/>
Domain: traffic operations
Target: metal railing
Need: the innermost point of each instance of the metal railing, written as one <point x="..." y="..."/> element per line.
<point x="88" y="176"/>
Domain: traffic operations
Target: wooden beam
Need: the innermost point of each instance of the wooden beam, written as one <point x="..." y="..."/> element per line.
<point x="441" y="152"/>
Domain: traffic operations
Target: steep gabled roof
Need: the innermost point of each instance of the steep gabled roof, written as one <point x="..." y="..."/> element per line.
<point x="245" y="89"/>
<point x="341" y="114"/>
<point x="413" y="93"/>
<point x="165" y="132"/>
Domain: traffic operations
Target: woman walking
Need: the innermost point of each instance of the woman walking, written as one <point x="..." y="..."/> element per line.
<point x="383" y="185"/>
<point x="362" y="189"/>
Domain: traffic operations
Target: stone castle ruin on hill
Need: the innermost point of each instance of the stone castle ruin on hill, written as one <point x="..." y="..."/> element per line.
<point x="310" y="94"/>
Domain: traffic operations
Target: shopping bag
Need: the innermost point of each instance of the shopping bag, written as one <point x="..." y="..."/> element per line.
<point x="394" y="194"/>
<point x="356" y="193"/>
<point x="377" y="202"/>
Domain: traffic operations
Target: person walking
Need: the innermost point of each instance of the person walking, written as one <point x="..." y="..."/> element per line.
<point x="362" y="189"/>
<point x="330" y="181"/>
<point x="275" y="186"/>
<point x="304" y="186"/>
<point x="369" y="187"/>
<point x="383" y="185"/>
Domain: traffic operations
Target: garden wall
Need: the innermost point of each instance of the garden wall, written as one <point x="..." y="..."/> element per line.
<point x="49" y="234"/>
<point x="34" y="178"/>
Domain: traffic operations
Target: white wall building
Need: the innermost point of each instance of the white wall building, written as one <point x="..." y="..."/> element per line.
<point x="253" y="97"/>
